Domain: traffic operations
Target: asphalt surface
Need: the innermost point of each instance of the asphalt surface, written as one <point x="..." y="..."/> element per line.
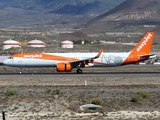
<point x="82" y="74"/>
<point x="104" y="71"/>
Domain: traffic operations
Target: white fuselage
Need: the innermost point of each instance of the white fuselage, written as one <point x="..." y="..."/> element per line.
<point x="65" y="62"/>
<point x="106" y="59"/>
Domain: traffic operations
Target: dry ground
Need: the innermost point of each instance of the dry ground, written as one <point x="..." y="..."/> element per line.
<point x="115" y="90"/>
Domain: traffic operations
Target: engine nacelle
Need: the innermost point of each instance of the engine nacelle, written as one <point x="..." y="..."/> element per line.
<point x="64" y="67"/>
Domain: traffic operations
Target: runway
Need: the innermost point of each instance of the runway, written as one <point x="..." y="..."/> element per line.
<point x="105" y="71"/>
<point x="82" y="74"/>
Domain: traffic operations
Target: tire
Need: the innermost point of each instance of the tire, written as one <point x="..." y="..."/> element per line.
<point x="79" y="71"/>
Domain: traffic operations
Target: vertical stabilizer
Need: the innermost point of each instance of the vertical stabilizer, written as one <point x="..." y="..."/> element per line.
<point x="144" y="46"/>
<point x="142" y="50"/>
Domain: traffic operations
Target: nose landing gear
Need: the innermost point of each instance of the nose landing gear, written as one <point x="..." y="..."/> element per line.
<point x="20" y="70"/>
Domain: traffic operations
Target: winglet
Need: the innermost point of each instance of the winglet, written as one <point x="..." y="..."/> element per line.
<point x="99" y="54"/>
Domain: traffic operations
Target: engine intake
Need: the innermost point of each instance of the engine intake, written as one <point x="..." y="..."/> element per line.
<point x="64" y="67"/>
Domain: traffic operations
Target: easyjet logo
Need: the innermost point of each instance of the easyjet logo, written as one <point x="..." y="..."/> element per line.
<point x="33" y="56"/>
<point x="144" y="42"/>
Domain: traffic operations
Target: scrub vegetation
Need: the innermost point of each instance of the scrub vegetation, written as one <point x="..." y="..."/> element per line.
<point x="139" y="97"/>
<point x="50" y="91"/>
<point x="11" y="91"/>
<point x="96" y="101"/>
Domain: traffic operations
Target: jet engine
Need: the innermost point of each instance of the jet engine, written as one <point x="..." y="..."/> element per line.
<point x="64" y="67"/>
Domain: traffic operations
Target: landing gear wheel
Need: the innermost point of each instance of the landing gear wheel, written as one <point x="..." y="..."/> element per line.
<point x="79" y="71"/>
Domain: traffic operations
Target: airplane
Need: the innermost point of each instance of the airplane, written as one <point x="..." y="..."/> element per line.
<point x="65" y="62"/>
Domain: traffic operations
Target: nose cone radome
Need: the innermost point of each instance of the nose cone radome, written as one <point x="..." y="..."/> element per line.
<point x="5" y="62"/>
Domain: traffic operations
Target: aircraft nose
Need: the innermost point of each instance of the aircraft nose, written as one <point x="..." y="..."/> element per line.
<point x="5" y="62"/>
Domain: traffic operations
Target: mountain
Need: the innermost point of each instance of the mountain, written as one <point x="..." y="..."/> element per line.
<point x="30" y="12"/>
<point x="130" y="12"/>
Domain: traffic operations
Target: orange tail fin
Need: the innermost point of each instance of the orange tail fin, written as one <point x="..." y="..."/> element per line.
<point x="144" y="46"/>
<point x="142" y="50"/>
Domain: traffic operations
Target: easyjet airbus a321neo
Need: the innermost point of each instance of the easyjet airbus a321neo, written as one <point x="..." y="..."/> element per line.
<point x="65" y="62"/>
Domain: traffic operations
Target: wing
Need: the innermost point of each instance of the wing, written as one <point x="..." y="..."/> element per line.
<point x="84" y="62"/>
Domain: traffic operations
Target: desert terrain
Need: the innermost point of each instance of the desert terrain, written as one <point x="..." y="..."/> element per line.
<point x="114" y="86"/>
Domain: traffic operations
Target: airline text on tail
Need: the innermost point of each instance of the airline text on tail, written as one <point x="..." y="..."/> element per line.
<point x="144" y="42"/>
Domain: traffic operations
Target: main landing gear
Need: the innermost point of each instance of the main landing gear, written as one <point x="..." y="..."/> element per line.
<point x="79" y="70"/>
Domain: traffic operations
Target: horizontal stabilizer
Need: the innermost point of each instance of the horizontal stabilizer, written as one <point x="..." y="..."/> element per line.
<point x="147" y="56"/>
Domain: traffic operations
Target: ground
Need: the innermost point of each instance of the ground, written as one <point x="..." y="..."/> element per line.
<point x="114" y="86"/>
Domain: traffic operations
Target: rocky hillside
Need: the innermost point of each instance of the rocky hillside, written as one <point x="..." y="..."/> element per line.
<point x="31" y="12"/>
<point x="131" y="12"/>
